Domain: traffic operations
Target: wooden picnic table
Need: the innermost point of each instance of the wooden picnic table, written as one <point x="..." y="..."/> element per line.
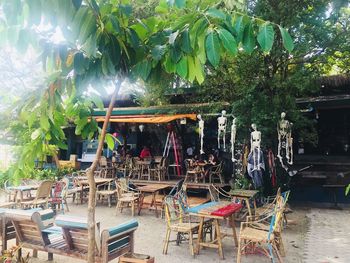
<point x="216" y="211"/>
<point x="152" y="189"/>
<point x="21" y="189"/>
<point x="245" y="195"/>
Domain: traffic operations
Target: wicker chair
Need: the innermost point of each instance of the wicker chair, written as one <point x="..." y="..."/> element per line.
<point x="42" y="196"/>
<point x="216" y="171"/>
<point x="127" y="197"/>
<point x="255" y="235"/>
<point x="175" y="222"/>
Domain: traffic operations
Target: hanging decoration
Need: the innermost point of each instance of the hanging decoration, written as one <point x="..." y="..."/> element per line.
<point x="272" y="167"/>
<point x="222" y="122"/>
<point x="256" y="163"/>
<point x="233" y="139"/>
<point x="201" y="132"/>
<point x="285" y="140"/>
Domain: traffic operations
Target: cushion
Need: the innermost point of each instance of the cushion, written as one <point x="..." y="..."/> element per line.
<point x="227" y="210"/>
<point x="197" y="208"/>
<point x="131" y="224"/>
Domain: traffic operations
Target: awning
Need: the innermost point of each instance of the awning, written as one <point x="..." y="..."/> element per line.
<point x="148" y="119"/>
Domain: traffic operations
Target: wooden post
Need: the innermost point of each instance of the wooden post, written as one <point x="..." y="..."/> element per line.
<point x="91" y="179"/>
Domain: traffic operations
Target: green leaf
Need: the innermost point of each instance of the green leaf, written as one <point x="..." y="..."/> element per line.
<point x="79" y="63"/>
<point x="228" y="41"/>
<point x="182" y="67"/>
<point x="115" y="23"/>
<point x="77" y="3"/>
<point x="199" y="72"/>
<point x="175" y="54"/>
<point x="185" y="42"/>
<point x="191" y="69"/>
<point x="44" y="123"/>
<point x="97" y="101"/>
<point x="34" y="12"/>
<point x="126" y="10"/>
<point x="107" y="65"/>
<point x="239" y="25"/>
<point x="212" y="47"/>
<point x="201" y="47"/>
<point x="78" y="20"/>
<point x="90" y="46"/>
<point x="109" y="139"/>
<point x="172" y="37"/>
<point x="134" y="38"/>
<point x="347" y="190"/>
<point x="180" y="3"/>
<point x="88" y="27"/>
<point x="158" y="52"/>
<point x="248" y="39"/>
<point x="143" y="69"/>
<point x="266" y="36"/>
<point x="35" y="134"/>
<point x="169" y="66"/>
<point x="215" y="13"/>
<point x="287" y="40"/>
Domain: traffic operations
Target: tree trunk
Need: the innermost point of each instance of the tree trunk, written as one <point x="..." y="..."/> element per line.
<point x="90" y="175"/>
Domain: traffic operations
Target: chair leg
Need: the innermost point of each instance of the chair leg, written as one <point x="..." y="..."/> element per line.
<point x="191" y="243"/>
<point x="132" y="209"/>
<point x="278" y="254"/>
<point x="66" y="203"/>
<point x="166" y="241"/>
<point x="280" y="245"/>
<point x="239" y="252"/>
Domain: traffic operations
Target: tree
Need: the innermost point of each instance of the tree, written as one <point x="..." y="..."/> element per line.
<point x="105" y="42"/>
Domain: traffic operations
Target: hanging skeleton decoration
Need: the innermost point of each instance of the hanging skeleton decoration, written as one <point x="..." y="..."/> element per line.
<point x="255" y="140"/>
<point x="201" y="131"/>
<point x="222" y="122"/>
<point x="285" y="140"/>
<point x="233" y="139"/>
<point x="255" y="158"/>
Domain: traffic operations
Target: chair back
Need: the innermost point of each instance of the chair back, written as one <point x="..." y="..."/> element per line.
<point x="28" y="225"/>
<point x="171" y="213"/>
<point x="103" y="161"/>
<point x="44" y="190"/>
<point x="75" y="232"/>
<point x="277" y="216"/>
<point x="177" y="187"/>
<point x="57" y="191"/>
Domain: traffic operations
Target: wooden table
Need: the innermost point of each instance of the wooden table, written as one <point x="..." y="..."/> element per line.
<point x="245" y="195"/>
<point x="20" y="189"/>
<point x="151" y="189"/>
<point x="98" y="181"/>
<point x="213" y="210"/>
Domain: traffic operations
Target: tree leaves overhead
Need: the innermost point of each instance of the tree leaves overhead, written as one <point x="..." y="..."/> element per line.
<point x="182" y="67"/>
<point x="228" y="41"/>
<point x="215" y="13"/>
<point x="212" y="47"/>
<point x="287" y="39"/>
<point x="266" y="37"/>
<point x="248" y="38"/>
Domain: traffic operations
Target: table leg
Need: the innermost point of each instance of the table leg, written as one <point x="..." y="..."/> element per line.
<point x="4" y="234"/>
<point x="141" y="202"/>
<point x="154" y="203"/>
<point x="200" y="234"/>
<point x="218" y="236"/>
<point x="233" y="226"/>
<point x="254" y="203"/>
<point x="248" y="206"/>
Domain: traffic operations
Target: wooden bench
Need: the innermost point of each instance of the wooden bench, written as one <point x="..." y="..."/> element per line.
<point x="70" y="236"/>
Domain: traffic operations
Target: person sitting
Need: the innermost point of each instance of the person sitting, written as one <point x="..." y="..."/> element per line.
<point x="145" y="153"/>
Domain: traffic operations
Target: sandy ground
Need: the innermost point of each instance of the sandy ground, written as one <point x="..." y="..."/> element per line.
<point x="151" y="232"/>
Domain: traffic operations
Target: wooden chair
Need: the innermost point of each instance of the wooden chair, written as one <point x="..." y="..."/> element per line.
<point x="255" y="235"/>
<point x="216" y="171"/>
<point x="175" y="222"/>
<point x="127" y="197"/>
<point x="158" y="171"/>
<point x="58" y="201"/>
<point x="192" y="173"/>
<point x="7" y="232"/>
<point x="106" y="190"/>
<point x="42" y="196"/>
